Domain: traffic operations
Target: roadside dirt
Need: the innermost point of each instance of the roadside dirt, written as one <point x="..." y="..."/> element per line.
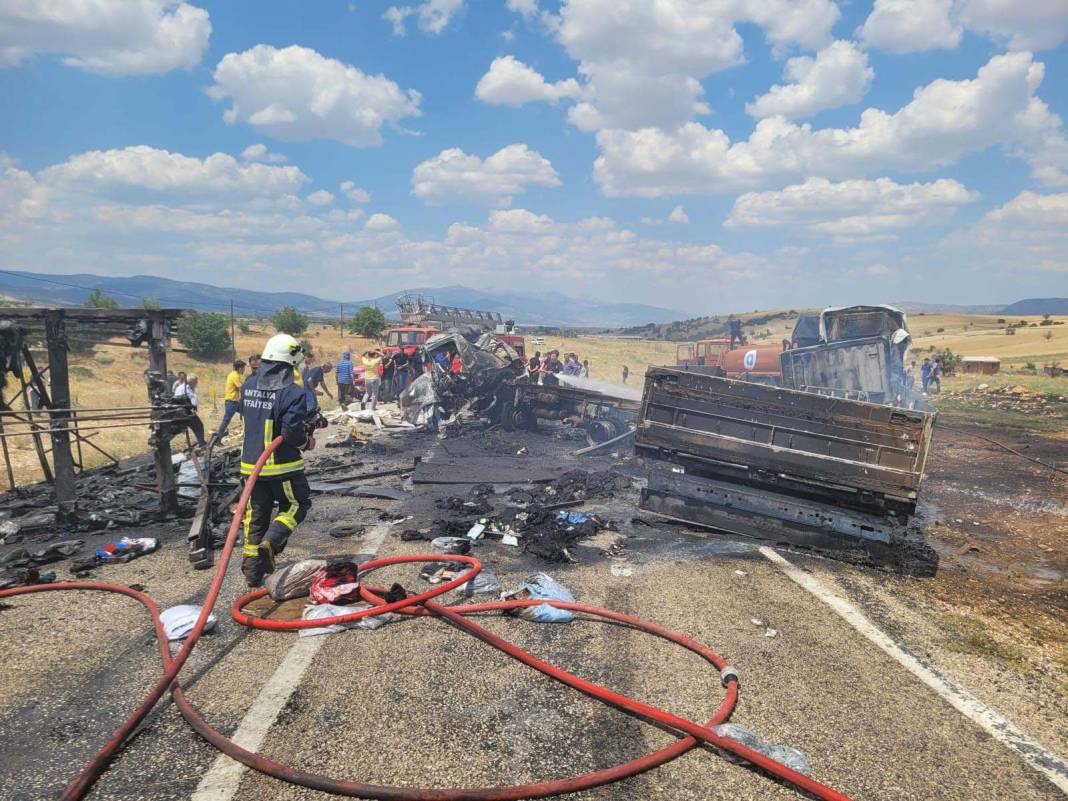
<point x="1000" y="527"/>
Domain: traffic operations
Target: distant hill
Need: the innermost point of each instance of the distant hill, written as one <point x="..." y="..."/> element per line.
<point x="707" y="327"/>
<point x="1037" y="306"/>
<point x="548" y="309"/>
<point x="913" y="307"/>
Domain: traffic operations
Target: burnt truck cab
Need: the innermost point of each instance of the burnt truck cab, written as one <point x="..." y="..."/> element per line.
<point x="410" y="338"/>
<point x="407" y="338"/>
<point x="860" y="354"/>
<point x="706" y="353"/>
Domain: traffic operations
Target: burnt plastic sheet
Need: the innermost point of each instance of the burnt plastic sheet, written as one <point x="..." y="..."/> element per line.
<point x="484" y="470"/>
<point x="357" y="491"/>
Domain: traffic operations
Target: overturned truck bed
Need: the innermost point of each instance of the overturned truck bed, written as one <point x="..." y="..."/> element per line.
<point x="781" y="465"/>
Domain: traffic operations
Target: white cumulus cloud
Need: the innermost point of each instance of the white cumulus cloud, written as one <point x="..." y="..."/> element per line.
<point x="1027" y="234"/>
<point x="851" y="210"/>
<point x="150" y="169"/>
<point x="297" y="94"/>
<point x="354" y="193"/>
<point x="839" y="74"/>
<point x="642" y="63"/>
<point x="944" y="121"/>
<point x="1030" y="25"/>
<point x="381" y="222"/>
<point x="113" y="37"/>
<point x="320" y="198"/>
<point x="510" y="82"/>
<point x="679" y="215"/>
<point x="259" y="152"/>
<point x="909" y="26"/>
<point x="455" y="176"/>
<point x="432" y="17"/>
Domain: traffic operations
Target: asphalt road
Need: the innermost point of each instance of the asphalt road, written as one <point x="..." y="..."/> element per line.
<point x="417" y="703"/>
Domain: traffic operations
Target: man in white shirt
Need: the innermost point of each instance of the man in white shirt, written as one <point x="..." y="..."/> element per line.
<point x="187" y="388"/>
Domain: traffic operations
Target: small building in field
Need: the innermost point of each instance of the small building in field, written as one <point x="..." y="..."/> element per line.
<point x="987" y="365"/>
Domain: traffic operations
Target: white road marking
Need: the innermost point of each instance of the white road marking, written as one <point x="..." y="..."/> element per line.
<point x="222" y="780"/>
<point x="997" y="726"/>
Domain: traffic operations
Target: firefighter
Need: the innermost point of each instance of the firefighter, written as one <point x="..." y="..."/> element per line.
<point x="274" y="403"/>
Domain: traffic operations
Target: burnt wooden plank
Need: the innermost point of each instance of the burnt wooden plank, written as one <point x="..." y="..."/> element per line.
<point x="485" y="470"/>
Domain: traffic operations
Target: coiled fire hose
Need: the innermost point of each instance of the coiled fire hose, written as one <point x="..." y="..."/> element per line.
<point x="691" y="734"/>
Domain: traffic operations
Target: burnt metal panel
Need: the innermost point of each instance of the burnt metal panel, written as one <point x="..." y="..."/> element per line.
<point x="718" y="499"/>
<point x="862" y="366"/>
<point x="862" y="455"/>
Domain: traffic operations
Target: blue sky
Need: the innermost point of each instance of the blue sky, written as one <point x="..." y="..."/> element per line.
<point x="705" y="156"/>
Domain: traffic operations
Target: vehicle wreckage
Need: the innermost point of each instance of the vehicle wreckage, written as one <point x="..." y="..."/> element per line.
<point x="493" y="384"/>
<point x="832" y="460"/>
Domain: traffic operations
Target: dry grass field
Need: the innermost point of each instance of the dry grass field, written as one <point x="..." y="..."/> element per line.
<point x="112" y="375"/>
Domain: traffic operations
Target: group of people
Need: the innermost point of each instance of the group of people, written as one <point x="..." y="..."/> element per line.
<point x="545" y="369"/>
<point x="931" y="375"/>
<point x="384" y="376"/>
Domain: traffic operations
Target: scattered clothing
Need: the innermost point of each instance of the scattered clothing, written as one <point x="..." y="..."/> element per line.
<point x="337" y="583"/>
<point x="126" y="550"/>
<point x="293" y="581"/>
<point x="178" y="621"/>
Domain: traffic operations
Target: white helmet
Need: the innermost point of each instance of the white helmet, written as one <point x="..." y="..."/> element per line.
<point x="283" y="348"/>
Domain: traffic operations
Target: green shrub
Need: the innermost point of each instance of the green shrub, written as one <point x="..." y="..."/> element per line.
<point x="205" y="334"/>
<point x="368" y="322"/>
<point x="288" y="320"/>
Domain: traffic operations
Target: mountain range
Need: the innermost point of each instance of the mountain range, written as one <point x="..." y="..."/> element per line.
<point x="549" y="309"/>
<point x="538" y="309"/>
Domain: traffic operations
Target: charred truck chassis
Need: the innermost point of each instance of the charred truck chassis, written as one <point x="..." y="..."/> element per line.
<point x="601" y="416"/>
<point x="780" y="465"/>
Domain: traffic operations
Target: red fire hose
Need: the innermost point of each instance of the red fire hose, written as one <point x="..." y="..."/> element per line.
<point x="691" y="734"/>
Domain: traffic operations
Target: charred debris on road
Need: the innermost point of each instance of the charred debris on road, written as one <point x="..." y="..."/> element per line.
<point x="820" y="466"/>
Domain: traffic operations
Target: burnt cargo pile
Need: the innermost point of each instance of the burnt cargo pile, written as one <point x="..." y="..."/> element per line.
<point x="788" y="467"/>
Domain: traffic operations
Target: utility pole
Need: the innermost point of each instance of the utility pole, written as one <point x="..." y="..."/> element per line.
<point x="341" y="325"/>
<point x="157" y="363"/>
<point x="233" y="333"/>
<point x="62" y="460"/>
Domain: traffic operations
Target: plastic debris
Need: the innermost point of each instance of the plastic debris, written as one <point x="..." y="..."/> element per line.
<point x="544" y="587"/>
<point x="179" y="620"/>
<point x="450" y="545"/>
<point x="126" y="549"/>
<point x="622" y="570"/>
<point x="25" y="576"/>
<point x="437" y="572"/>
<point x="790" y="757"/>
<point x="189" y="478"/>
<point x="476" y="531"/>
<point x="756" y="621"/>
<point x="510" y="539"/>
<point x="771" y="633"/>
<point x="740" y="573"/>
<point x="484" y="582"/>
<point x="293" y="581"/>
<point x="321" y="611"/>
